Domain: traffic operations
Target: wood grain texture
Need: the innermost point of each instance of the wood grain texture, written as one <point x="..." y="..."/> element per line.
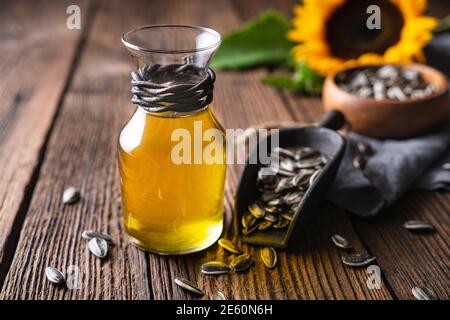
<point x="412" y="259"/>
<point x="37" y="51"/>
<point x="82" y="153"/>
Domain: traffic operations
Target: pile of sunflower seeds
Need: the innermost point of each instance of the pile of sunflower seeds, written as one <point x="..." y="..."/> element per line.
<point x="387" y="82"/>
<point x="282" y="186"/>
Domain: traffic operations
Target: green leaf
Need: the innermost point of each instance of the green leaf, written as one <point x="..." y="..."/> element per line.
<point x="304" y="80"/>
<point x="282" y="83"/>
<point x="261" y="41"/>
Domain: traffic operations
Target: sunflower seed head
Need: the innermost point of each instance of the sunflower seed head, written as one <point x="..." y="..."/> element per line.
<point x="215" y="268"/>
<point x="70" y="195"/>
<point x="89" y="234"/>
<point x="188" y="286"/>
<point x="340" y="242"/>
<point x="423" y="293"/>
<point x="269" y="257"/>
<point x="241" y="262"/>
<point x="54" y="275"/>
<point x="229" y="246"/>
<point x="416" y="225"/>
<point x="358" y="260"/>
<point x="218" y="295"/>
<point x="99" y="247"/>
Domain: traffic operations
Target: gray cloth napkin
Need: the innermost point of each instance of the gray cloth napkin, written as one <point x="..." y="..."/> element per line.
<point x="397" y="165"/>
<point x="394" y="167"/>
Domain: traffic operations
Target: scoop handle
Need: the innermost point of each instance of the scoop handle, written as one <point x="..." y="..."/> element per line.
<point x="333" y="119"/>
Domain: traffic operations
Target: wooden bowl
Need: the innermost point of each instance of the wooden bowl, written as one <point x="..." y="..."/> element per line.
<point x="391" y="118"/>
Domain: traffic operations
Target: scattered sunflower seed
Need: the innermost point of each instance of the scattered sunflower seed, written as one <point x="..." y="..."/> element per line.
<point x="54" y="275"/>
<point x="340" y="242"/>
<point x="215" y="268"/>
<point x="229" y="246"/>
<point x="358" y="260"/>
<point x="99" y="247"/>
<point x="218" y="295"/>
<point x="269" y="257"/>
<point x="188" y="285"/>
<point x="423" y="293"/>
<point x="241" y="262"/>
<point x="415" y="225"/>
<point x="89" y="234"/>
<point x="70" y="195"/>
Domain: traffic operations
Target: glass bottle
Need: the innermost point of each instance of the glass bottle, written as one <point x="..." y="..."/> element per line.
<point x="171" y="207"/>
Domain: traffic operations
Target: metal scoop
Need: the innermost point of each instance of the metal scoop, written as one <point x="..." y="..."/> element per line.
<point x="322" y="138"/>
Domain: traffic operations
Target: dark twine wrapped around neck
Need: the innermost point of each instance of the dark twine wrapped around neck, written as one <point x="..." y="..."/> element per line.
<point x="180" y="97"/>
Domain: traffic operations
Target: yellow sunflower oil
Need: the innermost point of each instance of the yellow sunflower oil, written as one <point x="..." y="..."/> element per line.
<point x="170" y="208"/>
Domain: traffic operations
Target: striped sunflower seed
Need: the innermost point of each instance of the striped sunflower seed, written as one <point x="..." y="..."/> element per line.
<point x="70" y="195"/>
<point x="218" y="295"/>
<point x="416" y="225"/>
<point x="247" y="231"/>
<point x="270" y="217"/>
<point x="99" y="247"/>
<point x="287" y="216"/>
<point x="54" y="275"/>
<point x="314" y="176"/>
<point x="264" y="225"/>
<point x="89" y="234"/>
<point x="215" y="268"/>
<point x="229" y="246"/>
<point x="256" y="210"/>
<point x="188" y="286"/>
<point x="281" y="223"/>
<point x="358" y="260"/>
<point x="269" y="257"/>
<point x="340" y="242"/>
<point x="241" y="262"/>
<point x="248" y="220"/>
<point x="423" y="293"/>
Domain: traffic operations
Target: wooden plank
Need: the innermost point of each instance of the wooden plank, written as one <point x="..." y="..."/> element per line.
<point x="409" y="259"/>
<point x="37" y="53"/>
<point x="82" y="152"/>
<point x="406" y="260"/>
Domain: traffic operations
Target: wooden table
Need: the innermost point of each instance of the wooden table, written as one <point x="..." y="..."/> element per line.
<point x="64" y="95"/>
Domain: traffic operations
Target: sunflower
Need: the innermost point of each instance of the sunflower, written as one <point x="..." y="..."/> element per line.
<point x="333" y="34"/>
